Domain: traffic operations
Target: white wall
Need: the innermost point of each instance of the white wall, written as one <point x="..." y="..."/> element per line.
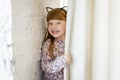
<point x="28" y="31"/>
<point x="5" y="40"/>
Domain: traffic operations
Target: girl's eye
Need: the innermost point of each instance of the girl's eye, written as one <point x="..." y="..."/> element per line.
<point x="58" y="23"/>
<point x="50" y="23"/>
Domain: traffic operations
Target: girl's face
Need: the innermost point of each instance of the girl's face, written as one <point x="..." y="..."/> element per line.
<point x="57" y="28"/>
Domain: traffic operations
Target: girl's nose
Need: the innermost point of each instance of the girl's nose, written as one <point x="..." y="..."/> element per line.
<point x="54" y="26"/>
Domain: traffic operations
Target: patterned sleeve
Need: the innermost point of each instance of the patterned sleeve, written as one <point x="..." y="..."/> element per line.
<point x="51" y="66"/>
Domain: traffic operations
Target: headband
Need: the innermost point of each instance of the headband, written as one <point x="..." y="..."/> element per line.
<point x="49" y="8"/>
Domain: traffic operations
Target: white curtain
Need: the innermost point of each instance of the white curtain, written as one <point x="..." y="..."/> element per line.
<point x="93" y="39"/>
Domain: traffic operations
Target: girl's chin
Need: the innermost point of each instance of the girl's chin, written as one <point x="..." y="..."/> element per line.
<point x="55" y="36"/>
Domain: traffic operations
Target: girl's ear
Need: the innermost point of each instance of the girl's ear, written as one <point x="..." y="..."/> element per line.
<point x="48" y="9"/>
<point x="65" y="7"/>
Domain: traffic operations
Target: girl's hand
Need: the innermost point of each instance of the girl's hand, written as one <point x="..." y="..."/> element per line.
<point x="68" y="58"/>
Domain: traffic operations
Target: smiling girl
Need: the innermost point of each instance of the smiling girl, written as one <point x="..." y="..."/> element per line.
<point x="53" y="58"/>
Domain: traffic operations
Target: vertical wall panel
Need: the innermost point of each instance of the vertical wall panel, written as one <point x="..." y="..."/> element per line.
<point x="6" y="53"/>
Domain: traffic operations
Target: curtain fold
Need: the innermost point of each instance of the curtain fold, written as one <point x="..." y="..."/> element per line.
<point x="77" y="22"/>
<point x="114" y="40"/>
<point x="100" y="40"/>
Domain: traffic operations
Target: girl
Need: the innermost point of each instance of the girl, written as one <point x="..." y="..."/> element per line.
<point x="53" y="58"/>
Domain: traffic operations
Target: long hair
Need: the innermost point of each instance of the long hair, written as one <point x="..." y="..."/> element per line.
<point x="54" y="14"/>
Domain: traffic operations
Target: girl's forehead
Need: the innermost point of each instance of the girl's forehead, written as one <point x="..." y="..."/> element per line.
<point x="56" y="20"/>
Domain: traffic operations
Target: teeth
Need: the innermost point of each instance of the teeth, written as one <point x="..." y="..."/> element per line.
<point x="55" y="32"/>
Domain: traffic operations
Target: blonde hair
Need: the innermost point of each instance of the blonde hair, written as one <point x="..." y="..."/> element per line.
<point x="54" y="14"/>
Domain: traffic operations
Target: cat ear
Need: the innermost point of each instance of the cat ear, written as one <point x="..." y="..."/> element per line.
<point x="48" y="9"/>
<point x="65" y="7"/>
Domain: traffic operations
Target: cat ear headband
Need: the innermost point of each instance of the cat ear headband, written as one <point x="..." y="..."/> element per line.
<point x="49" y="8"/>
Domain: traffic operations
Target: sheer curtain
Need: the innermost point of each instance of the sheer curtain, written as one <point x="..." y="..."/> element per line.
<point x="93" y="39"/>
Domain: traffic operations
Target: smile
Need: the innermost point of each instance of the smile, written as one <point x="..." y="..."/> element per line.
<point x="55" y="32"/>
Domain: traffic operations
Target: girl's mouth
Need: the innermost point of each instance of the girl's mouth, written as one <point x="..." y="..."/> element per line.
<point x="55" y="32"/>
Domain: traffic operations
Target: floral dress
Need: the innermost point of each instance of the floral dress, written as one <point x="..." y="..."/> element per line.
<point x="53" y="69"/>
